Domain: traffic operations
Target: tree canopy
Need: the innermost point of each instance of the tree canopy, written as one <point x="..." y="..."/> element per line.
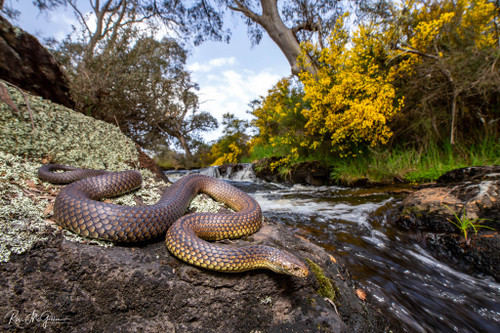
<point x="412" y="73"/>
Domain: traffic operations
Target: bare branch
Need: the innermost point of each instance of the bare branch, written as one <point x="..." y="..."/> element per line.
<point x="245" y="11"/>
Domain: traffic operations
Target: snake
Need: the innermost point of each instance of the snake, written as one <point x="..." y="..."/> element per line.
<point x="189" y="237"/>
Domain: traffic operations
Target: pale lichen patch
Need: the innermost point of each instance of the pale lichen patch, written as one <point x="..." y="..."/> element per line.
<point x="203" y="203"/>
<point x="62" y="135"/>
<point x="21" y="218"/>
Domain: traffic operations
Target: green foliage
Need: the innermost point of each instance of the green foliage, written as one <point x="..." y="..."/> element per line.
<point x="464" y="223"/>
<point x="139" y="84"/>
<point x="446" y="56"/>
<point x="233" y="145"/>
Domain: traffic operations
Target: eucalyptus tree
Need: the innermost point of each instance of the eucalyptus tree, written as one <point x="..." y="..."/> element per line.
<point x="103" y="20"/>
<point x="288" y="22"/>
<point x="139" y="84"/>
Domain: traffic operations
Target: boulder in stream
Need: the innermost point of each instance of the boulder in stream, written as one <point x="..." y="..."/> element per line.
<point x="88" y="288"/>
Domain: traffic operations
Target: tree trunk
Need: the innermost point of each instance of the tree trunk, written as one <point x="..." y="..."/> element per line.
<point x="287" y="42"/>
<point x="184" y="145"/>
<point x="283" y="36"/>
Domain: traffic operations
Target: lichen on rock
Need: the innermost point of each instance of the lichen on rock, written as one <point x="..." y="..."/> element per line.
<point x="22" y="223"/>
<point x="62" y="136"/>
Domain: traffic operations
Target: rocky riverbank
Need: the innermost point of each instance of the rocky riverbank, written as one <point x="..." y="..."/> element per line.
<point x="51" y="280"/>
<point x="472" y="194"/>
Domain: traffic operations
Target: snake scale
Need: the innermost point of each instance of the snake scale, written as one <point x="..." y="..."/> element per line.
<point x="77" y="208"/>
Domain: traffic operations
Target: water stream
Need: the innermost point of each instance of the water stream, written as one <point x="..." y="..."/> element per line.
<point x="418" y="290"/>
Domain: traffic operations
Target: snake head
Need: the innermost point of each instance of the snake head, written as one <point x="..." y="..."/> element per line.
<point x="284" y="262"/>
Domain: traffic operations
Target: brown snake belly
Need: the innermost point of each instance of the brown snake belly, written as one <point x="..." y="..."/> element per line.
<point x="77" y="208"/>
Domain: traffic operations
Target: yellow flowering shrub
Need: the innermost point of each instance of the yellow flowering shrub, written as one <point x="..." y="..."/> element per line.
<point x="280" y="121"/>
<point x="439" y="27"/>
<point x="231" y="155"/>
<point x="233" y="145"/>
<point x="351" y="96"/>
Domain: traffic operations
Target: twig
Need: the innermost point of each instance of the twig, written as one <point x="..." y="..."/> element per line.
<point x="30" y="113"/>
<point x="333" y="304"/>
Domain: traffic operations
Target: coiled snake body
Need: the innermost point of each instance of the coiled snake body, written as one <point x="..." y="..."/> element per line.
<point x="77" y="208"/>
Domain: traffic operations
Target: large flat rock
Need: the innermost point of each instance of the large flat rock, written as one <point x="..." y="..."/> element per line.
<point x="63" y="286"/>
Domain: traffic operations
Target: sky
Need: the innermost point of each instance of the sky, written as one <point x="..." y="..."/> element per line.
<point x="229" y="75"/>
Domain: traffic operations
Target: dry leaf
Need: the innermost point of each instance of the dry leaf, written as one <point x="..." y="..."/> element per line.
<point x="333" y="259"/>
<point x="48" y="209"/>
<point x="361" y="294"/>
<point x="30" y="183"/>
<point x="5" y="97"/>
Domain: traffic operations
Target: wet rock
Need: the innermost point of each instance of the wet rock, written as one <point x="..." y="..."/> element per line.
<point x="228" y="169"/>
<point x="470" y="193"/>
<point x="143" y="288"/>
<point x="264" y="171"/>
<point x="470" y="174"/>
<point x="309" y="173"/>
<point x="27" y="64"/>
<point x="480" y="256"/>
<point x="306" y="173"/>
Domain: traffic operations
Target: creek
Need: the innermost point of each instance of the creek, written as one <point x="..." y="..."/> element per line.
<point x="420" y="290"/>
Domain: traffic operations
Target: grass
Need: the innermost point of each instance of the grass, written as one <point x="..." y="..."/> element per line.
<point x="464" y="223"/>
<point x="262" y="151"/>
<point x="411" y="165"/>
<point x="403" y="164"/>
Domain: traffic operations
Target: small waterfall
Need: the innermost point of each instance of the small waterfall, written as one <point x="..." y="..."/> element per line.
<point x="212" y="171"/>
<point x="236" y="172"/>
<point x="245" y="174"/>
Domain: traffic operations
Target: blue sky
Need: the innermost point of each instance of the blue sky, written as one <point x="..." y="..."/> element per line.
<point x="229" y="75"/>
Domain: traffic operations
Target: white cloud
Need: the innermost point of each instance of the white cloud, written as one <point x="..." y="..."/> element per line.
<point x="229" y="90"/>
<point x="211" y="64"/>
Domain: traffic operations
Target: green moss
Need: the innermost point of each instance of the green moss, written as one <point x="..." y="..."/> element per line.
<point x="327" y="287"/>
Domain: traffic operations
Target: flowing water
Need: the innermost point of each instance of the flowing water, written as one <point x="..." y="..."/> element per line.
<point x="421" y="292"/>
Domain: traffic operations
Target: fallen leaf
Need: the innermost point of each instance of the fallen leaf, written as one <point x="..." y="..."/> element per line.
<point x="48" y="209"/>
<point x="30" y="183"/>
<point x="361" y="294"/>
<point x="333" y="259"/>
